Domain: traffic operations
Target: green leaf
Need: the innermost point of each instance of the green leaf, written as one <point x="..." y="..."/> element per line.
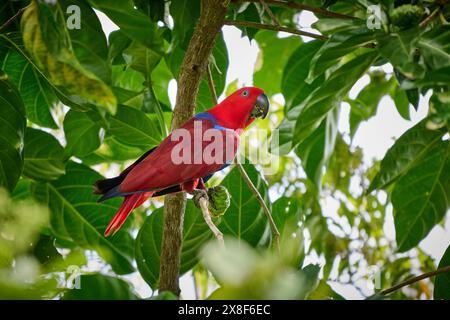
<point x="320" y="102"/>
<point x="12" y="131"/>
<point x="295" y="89"/>
<point x="420" y="197"/>
<point x="135" y="128"/>
<point x="399" y="48"/>
<point x="88" y="42"/>
<point x="309" y="277"/>
<point x="364" y="106"/>
<point x="185" y="14"/>
<point x="43" y="155"/>
<point x="406" y="152"/>
<point x="37" y="95"/>
<point x="44" y="39"/>
<point x="152" y="8"/>
<point x="339" y="45"/>
<point x="100" y="287"/>
<point x="315" y="150"/>
<point x="131" y="21"/>
<point x="270" y="63"/>
<point x="112" y="151"/>
<point x="77" y="217"/>
<point x="442" y="281"/>
<point x="245" y="219"/>
<point x="434" y="46"/>
<point x="149" y="239"/>
<point x="219" y="67"/>
<point x="82" y="132"/>
<point x="142" y="58"/>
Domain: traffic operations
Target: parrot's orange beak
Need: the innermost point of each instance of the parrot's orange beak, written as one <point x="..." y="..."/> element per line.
<point x="261" y="107"/>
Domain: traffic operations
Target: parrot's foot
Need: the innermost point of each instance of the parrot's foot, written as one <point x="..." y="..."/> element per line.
<point x="199" y="194"/>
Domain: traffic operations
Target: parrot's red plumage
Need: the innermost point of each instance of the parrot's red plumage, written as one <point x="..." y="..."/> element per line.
<point x="188" y="156"/>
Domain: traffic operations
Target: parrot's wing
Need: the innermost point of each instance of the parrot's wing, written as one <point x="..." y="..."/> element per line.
<point x="196" y="150"/>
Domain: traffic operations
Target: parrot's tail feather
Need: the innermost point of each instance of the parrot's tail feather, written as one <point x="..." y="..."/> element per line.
<point x="129" y="203"/>
<point x="105" y="185"/>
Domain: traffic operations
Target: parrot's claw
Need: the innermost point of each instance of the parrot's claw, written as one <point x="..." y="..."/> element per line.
<point x="198" y="194"/>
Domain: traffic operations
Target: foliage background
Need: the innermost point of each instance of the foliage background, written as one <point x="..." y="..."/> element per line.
<point x="77" y="104"/>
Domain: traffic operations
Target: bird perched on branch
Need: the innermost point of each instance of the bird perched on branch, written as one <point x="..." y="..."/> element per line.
<point x="188" y="157"/>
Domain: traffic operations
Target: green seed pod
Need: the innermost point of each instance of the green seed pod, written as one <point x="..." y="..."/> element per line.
<point x="219" y="201"/>
<point x="407" y="16"/>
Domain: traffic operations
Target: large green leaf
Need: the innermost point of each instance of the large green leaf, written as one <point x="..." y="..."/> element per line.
<point x="442" y="281"/>
<point x="37" y="95"/>
<point x="315" y="150"/>
<point x="77" y="217"/>
<point x="12" y="131"/>
<point x="148" y="242"/>
<point x="339" y="45"/>
<point x="135" y="128"/>
<point x="88" y="42"/>
<point x="142" y="58"/>
<point x="185" y="14"/>
<point x="245" y="218"/>
<point x="399" y="48"/>
<point x="420" y="197"/>
<point x="44" y="37"/>
<point x="409" y="149"/>
<point x="435" y="47"/>
<point x="364" y="106"/>
<point x="44" y="156"/>
<point x="82" y="132"/>
<point x="316" y="107"/>
<point x="295" y="89"/>
<point x="133" y="22"/>
<point x="270" y="63"/>
<point x="100" y="287"/>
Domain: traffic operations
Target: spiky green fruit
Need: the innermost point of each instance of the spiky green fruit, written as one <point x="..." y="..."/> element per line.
<point x="407" y="16"/>
<point x="219" y="201"/>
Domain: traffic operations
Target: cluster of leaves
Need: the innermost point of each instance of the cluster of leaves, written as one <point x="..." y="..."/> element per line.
<point x="71" y="99"/>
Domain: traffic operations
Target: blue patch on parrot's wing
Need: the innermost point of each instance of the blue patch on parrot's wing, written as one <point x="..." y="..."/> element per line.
<point x="208" y="116"/>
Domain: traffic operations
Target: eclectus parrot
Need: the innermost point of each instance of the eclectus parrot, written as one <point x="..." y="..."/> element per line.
<point x="188" y="157"/>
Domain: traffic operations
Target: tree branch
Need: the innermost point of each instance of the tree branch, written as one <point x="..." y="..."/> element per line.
<point x="428" y="19"/>
<point x="269" y="12"/>
<point x="305" y="7"/>
<point x="415" y="279"/>
<point x="193" y="67"/>
<point x="274" y="28"/>
<point x="8" y="22"/>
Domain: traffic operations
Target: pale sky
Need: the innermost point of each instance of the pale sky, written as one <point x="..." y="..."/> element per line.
<point x="374" y="137"/>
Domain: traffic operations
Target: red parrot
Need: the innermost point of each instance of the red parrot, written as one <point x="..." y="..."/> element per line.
<point x="186" y="158"/>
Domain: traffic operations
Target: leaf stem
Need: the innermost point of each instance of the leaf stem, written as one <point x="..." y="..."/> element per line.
<point x="415" y="279"/>
<point x="274" y="28"/>
<point x="203" y="203"/>
<point x="430" y="17"/>
<point x="305" y="7"/>
<point x="8" y="22"/>
<point x="211" y="85"/>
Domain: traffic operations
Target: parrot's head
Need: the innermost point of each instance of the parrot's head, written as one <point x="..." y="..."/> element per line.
<point x="241" y="108"/>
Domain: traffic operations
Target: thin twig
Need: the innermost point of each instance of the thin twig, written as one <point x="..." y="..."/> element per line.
<point x="11" y="20"/>
<point x="212" y="88"/>
<point x="305" y="7"/>
<point x="269" y="12"/>
<point x="415" y="279"/>
<point x="274" y="28"/>
<point x="273" y="226"/>
<point x="204" y="207"/>
<point x="430" y="17"/>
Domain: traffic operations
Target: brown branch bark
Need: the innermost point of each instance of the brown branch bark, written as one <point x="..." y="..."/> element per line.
<point x="415" y="279"/>
<point x="274" y="28"/>
<point x="305" y="7"/>
<point x="193" y="67"/>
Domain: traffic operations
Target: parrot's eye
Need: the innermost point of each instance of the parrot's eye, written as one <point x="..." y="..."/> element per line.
<point x="245" y="93"/>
